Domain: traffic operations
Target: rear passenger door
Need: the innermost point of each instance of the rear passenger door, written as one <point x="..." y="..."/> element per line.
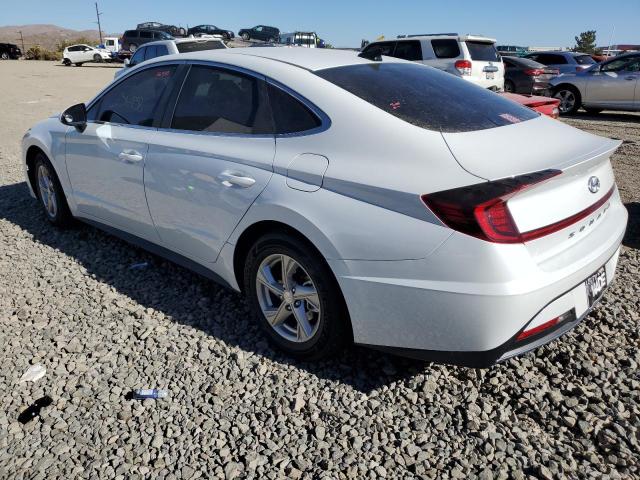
<point x="210" y="159"/>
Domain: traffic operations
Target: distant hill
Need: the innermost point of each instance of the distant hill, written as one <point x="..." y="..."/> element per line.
<point x="47" y="36"/>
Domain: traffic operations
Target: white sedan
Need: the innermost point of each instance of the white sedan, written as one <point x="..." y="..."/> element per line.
<point x="375" y="201"/>
<point x="79" y="54"/>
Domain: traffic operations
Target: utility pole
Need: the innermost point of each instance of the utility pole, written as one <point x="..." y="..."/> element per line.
<point x="99" y="28"/>
<point x="22" y="42"/>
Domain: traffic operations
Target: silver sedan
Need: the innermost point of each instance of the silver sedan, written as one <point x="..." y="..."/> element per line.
<point x="612" y="85"/>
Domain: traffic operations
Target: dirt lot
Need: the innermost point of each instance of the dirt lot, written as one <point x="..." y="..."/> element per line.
<point x="237" y="408"/>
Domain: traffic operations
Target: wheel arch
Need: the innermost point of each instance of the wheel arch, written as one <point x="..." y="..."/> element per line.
<point x="567" y="85"/>
<point x="30" y="160"/>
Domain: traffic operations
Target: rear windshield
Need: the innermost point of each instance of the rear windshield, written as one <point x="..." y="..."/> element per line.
<point x="485" y="52"/>
<point x="426" y="97"/>
<point x="584" y="60"/>
<point x="185" y="47"/>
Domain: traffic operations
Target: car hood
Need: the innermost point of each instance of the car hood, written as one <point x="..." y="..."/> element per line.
<point x="515" y="149"/>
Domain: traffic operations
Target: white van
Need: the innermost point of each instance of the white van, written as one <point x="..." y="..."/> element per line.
<point x="471" y="57"/>
<point x="300" y="39"/>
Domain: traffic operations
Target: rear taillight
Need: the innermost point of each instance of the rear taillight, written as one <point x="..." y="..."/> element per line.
<point x="533" y="72"/>
<point x="481" y="210"/>
<point x="464" y="67"/>
<point x="570" y="315"/>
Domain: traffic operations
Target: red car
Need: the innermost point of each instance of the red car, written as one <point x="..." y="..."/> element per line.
<point x="545" y="105"/>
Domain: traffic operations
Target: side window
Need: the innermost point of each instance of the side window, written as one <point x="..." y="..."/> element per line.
<point x="289" y="114"/>
<point x="408" y="50"/>
<point x="622" y="65"/>
<point x="138" y="57"/>
<point x="144" y="34"/>
<point x="161" y="50"/>
<point x="386" y="48"/>
<point x="259" y="29"/>
<point x="222" y="101"/>
<point x="134" y="101"/>
<point x="446" y="48"/>
<point x="152" y="52"/>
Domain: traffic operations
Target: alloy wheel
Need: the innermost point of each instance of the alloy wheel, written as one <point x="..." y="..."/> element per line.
<point x="567" y="100"/>
<point x="47" y="191"/>
<point x="288" y="298"/>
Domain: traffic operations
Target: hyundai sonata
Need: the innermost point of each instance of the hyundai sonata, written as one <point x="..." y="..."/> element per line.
<point x="376" y="201"/>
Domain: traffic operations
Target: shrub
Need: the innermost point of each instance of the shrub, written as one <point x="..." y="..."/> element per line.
<point x="39" y="53"/>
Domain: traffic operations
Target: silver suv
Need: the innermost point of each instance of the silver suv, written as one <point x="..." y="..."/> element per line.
<point x="472" y="57"/>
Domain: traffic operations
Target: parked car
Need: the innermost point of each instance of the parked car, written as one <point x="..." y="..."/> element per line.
<point x="611" y="85"/>
<point x="132" y="39"/>
<point x="544" y="105"/>
<point x="565" y="62"/>
<point x="169" y="47"/>
<point x="170" y="29"/>
<point x="470" y="57"/>
<point x="512" y="51"/>
<point x="300" y="39"/>
<point x="523" y="75"/>
<point x="9" y="51"/>
<point x="353" y="200"/>
<point x="79" y="54"/>
<point x="260" y="32"/>
<point x="210" y="30"/>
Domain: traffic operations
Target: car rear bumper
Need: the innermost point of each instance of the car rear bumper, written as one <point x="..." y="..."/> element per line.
<point x="468" y="301"/>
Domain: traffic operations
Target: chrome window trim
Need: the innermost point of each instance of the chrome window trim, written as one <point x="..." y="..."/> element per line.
<point x="325" y="121"/>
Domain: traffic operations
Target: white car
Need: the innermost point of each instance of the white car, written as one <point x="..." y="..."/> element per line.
<point x="79" y="54"/>
<point x="161" y="48"/>
<point x="349" y="199"/>
<point x="471" y="57"/>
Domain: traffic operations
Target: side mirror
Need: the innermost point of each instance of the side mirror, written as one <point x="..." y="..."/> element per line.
<point x="127" y="62"/>
<point x="75" y="116"/>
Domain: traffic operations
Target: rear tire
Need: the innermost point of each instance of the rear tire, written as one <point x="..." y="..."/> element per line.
<point x="4" y="56"/>
<point x="323" y="329"/>
<point x="97" y="58"/>
<point x="509" y="86"/>
<point x="50" y="192"/>
<point x="66" y="62"/>
<point x="245" y="37"/>
<point x="570" y="100"/>
<point x="133" y="47"/>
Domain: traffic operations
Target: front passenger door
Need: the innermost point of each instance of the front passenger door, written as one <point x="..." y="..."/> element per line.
<point x="209" y="164"/>
<point x="614" y="84"/>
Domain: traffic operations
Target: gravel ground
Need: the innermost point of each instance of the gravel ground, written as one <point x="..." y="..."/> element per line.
<point x="236" y="408"/>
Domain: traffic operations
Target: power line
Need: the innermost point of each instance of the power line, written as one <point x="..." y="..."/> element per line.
<point x="99" y="27"/>
<point x="21" y="41"/>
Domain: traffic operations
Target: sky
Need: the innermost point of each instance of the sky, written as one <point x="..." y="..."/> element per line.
<point x="345" y="23"/>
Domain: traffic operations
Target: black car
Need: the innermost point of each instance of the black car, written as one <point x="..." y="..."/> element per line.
<point x="170" y="29"/>
<point x="260" y="32"/>
<point x="210" y="30"/>
<point x="523" y="75"/>
<point x="132" y="39"/>
<point x="9" y="51"/>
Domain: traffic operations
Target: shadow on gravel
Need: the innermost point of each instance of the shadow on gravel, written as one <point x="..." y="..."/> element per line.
<point x="188" y="298"/>
<point x="622" y="117"/>
<point x="632" y="235"/>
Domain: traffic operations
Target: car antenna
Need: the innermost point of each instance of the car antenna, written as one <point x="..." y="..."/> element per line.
<point x="373" y="54"/>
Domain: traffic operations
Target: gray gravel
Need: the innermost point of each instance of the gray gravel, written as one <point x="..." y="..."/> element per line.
<point x="238" y="409"/>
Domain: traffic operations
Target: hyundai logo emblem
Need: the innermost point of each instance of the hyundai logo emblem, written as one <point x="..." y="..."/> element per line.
<point x="594" y="184"/>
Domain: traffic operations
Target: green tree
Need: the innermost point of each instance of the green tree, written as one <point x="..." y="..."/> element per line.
<point x="586" y="42"/>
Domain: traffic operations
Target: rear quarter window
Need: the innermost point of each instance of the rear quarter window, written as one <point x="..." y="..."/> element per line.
<point x="289" y="114"/>
<point x="426" y="97"/>
<point x="446" y="48"/>
<point x="408" y="50"/>
<point x="584" y="60"/>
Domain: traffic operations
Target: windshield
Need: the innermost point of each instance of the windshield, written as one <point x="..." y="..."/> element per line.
<point x="584" y="60"/>
<point x="426" y="97"/>
<point x="483" y="51"/>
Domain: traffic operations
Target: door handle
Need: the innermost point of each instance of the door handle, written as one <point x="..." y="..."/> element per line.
<point x="230" y="179"/>
<point x="130" y="156"/>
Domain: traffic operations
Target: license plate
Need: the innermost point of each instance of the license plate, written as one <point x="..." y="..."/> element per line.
<point x="596" y="284"/>
<point x="490" y="75"/>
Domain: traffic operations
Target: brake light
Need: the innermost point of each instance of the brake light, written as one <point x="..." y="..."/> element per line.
<point x="464" y="67"/>
<point x="533" y="72"/>
<point x="570" y="315"/>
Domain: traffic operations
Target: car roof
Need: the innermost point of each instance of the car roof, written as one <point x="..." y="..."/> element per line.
<point x="305" y="58"/>
<point x="437" y="36"/>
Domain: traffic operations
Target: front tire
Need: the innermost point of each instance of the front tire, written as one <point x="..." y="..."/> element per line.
<point x="4" y="56"/>
<point x="97" y="58"/>
<point x="509" y="86"/>
<point x="245" y="37"/>
<point x="295" y="298"/>
<point x="50" y="193"/>
<point x="133" y="47"/>
<point x="570" y="99"/>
